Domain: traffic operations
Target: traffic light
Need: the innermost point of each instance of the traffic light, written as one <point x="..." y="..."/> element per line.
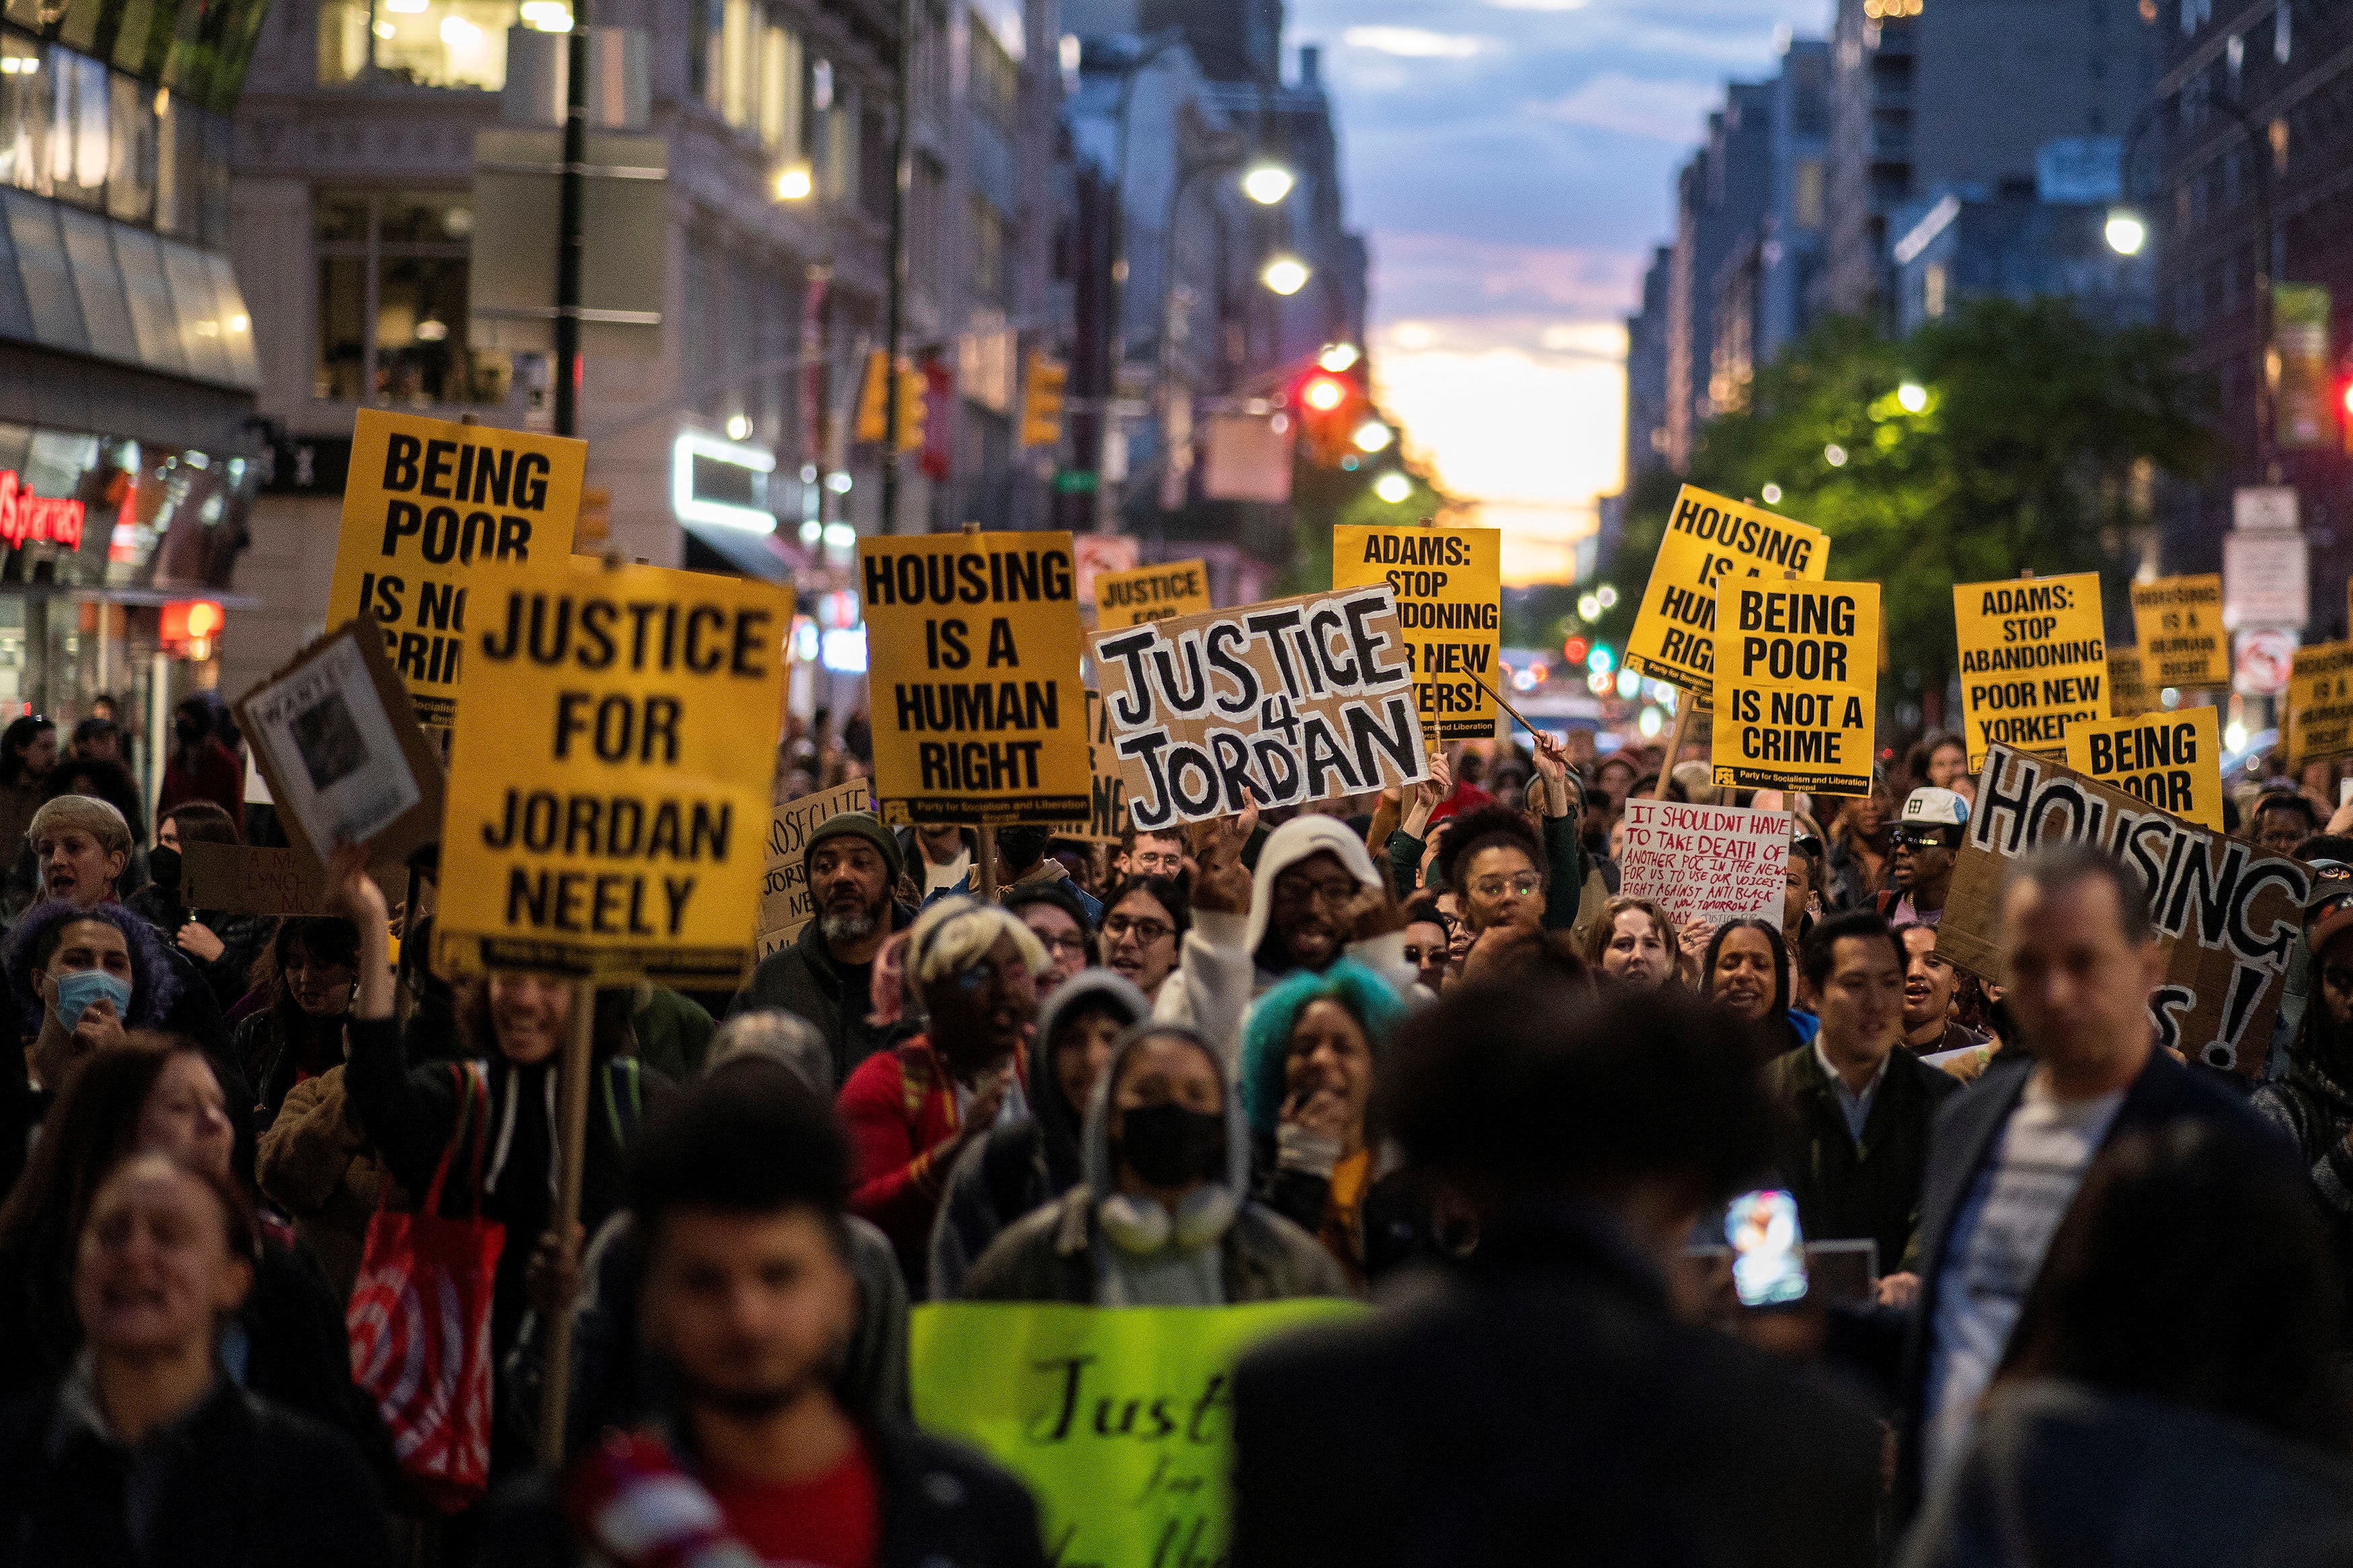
<point x="873" y="417"/>
<point x="1042" y="401"/>
<point x="1331" y="409"/>
<point x="912" y="385"/>
<point x="1574" y="650"/>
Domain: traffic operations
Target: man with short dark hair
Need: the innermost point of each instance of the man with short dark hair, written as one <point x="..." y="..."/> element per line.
<point x="746" y="1300"/>
<point x="1544" y="1402"/>
<point x="2079" y="959"/>
<point x="1144" y="852"/>
<point x="826" y="974"/>
<point x="1854" y="1140"/>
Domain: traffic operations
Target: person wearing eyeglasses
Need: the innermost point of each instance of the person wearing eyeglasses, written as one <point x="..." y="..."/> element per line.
<point x="1144" y="919"/>
<point x="1922" y="850"/>
<point x="911" y="1111"/>
<point x="1053" y="912"/>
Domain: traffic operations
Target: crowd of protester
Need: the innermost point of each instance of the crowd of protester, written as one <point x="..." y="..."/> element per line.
<point x="1417" y="1049"/>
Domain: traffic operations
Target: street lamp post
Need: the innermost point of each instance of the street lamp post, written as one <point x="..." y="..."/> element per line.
<point x="2128" y="230"/>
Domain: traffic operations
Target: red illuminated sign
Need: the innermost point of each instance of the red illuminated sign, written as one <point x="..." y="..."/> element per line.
<point x="25" y="516"/>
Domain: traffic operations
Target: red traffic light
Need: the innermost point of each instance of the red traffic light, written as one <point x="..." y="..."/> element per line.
<point x="1574" y="650"/>
<point x="2346" y="397"/>
<point x="1323" y="393"/>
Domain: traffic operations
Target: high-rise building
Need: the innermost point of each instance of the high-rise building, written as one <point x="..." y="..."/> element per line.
<point x="1646" y="371"/>
<point x="1762" y="288"/>
<point x="1720" y="194"/>
<point x="1928" y="93"/>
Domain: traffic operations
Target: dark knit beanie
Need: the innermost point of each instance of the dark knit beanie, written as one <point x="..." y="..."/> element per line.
<point x="856" y="825"/>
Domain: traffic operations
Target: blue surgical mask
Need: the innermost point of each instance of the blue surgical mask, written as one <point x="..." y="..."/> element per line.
<point x="78" y="988"/>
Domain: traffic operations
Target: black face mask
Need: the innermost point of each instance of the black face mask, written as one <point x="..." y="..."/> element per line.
<point x="1169" y="1146"/>
<point x="163" y="868"/>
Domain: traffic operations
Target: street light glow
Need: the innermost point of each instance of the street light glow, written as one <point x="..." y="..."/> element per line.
<point x="1267" y="184"/>
<point x="1286" y="275"/>
<point x="2127" y="232"/>
<point x="1338" y="357"/>
<point x="1393" y="487"/>
<point x="1834" y="454"/>
<point x="794" y="182"/>
<point x="1912" y="397"/>
<point x="1324" y="395"/>
<point x="1372" y="436"/>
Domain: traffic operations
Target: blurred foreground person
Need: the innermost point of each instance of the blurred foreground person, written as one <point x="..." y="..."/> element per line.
<point x="2008" y="1156"/>
<point x="1544" y="1404"/>
<point x="2172" y="1398"/>
<point x="148" y="1452"/>
<point x="747" y="1300"/>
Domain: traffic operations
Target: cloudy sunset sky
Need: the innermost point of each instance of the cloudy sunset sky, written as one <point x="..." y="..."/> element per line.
<point x="1510" y="160"/>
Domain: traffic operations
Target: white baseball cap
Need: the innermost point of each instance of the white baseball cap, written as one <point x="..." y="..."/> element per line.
<point x="1934" y="807"/>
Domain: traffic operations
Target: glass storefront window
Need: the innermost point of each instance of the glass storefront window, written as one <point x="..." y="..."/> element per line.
<point x="110" y="141"/>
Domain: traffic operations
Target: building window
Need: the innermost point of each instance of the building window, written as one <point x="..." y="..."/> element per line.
<point x="990" y="283"/>
<point x="391" y="315"/>
<point x="1806" y="194"/>
<point x="1932" y="291"/>
<point x="426" y="43"/>
<point x="72" y="128"/>
<point x="996" y="80"/>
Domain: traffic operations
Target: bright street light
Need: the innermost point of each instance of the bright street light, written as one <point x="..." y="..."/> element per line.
<point x="1372" y="436"/>
<point x="1286" y="275"/>
<point x="1267" y="184"/>
<point x="794" y="182"/>
<point x="1324" y="395"/>
<point x="1337" y="357"/>
<point x="1605" y="596"/>
<point x="1589" y="605"/>
<point x="1912" y="397"/>
<point x="1393" y="487"/>
<point x="2127" y="231"/>
<point x="1834" y="454"/>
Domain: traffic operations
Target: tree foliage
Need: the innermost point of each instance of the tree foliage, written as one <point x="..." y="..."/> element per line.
<point x="2037" y="446"/>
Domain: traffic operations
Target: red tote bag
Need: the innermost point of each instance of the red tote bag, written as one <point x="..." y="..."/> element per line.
<point x="419" y="1321"/>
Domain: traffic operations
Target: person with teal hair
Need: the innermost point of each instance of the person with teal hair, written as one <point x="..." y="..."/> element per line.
<point x="1312" y="1050"/>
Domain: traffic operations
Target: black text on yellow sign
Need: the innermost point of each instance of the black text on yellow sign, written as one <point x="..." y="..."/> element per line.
<point x="2172" y="760"/>
<point x="2127" y="693"/>
<point x="608" y="804"/>
<point x="1708" y="539"/>
<point x="1152" y="593"/>
<point x="972" y="664"/>
<point x="427" y="506"/>
<point x="2178" y="622"/>
<point x="1799" y="685"/>
<point x="1450" y="595"/>
<point x="2320" y="704"/>
<point x="2034" y="660"/>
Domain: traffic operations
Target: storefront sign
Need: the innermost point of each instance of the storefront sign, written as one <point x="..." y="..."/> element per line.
<point x="2226" y="914"/>
<point x="2320" y="704"/>
<point x="2172" y="760"/>
<point x="608" y="792"/>
<point x="1282" y="704"/>
<point x="1449" y="596"/>
<point x="2179" y="621"/>
<point x="29" y="518"/>
<point x="1799" y="685"/>
<point x="1709" y="538"/>
<point x="429" y="506"/>
<point x="1119" y="1420"/>
<point x="1706" y="862"/>
<point x="973" y="658"/>
<point x="2034" y="660"/>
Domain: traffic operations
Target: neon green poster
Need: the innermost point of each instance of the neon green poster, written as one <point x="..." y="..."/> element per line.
<point x="1121" y="1419"/>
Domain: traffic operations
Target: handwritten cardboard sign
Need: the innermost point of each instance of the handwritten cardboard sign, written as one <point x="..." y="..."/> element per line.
<point x="1119" y="1420"/>
<point x="1289" y="701"/>
<point x="2226" y="914"/>
<point x="785" y="903"/>
<point x="1706" y="862"/>
<point x="251" y="880"/>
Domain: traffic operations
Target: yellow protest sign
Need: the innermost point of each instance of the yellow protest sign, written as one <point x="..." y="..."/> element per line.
<point x="2034" y="660"/>
<point x="1800" y="685"/>
<point x="1119" y="1420"/>
<point x="608" y="804"/>
<point x="1709" y="538"/>
<point x="1450" y="603"/>
<point x="429" y="504"/>
<point x="2172" y="760"/>
<point x="2320" y="704"/>
<point x="1107" y="815"/>
<point x="2127" y="693"/>
<point x="973" y="666"/>
<point x="2179" y="621"/>
<point x="1152" y="592"/>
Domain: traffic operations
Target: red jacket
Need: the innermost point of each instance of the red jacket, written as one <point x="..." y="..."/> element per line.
<point x="900" y="1108"/>
<point x="216" y="777"/>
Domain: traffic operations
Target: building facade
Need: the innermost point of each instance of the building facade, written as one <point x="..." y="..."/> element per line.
<point x="1721" y="195"/>
<point x="1763" y="290"/>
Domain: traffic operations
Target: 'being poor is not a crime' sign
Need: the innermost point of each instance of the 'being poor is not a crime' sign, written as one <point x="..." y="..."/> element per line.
<point x="1800" y="685"/>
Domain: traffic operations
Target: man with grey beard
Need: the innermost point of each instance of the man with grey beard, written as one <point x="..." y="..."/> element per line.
<point x="852" y="863"/>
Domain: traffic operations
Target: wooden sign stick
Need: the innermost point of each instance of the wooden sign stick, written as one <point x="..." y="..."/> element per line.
<point x="556" y="1385"/>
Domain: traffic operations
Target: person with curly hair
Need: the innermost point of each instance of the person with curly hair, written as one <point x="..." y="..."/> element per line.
<point x="1311" y="1054"/>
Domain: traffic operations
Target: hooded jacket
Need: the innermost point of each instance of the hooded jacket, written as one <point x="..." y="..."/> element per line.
<point x="1060" y="1253"/>
<point x="2313" y="1105"/>
<point x="1217" y="974"/>
<point x="1026" y="1165"/>
<point x="802" y="978"/>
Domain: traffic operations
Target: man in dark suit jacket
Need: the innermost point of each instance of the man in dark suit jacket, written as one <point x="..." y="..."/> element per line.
<point x="2007" y="1158"/>
<point x="1546" y="1405"/>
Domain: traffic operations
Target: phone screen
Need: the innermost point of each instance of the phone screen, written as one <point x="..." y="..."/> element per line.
<point x="1768" y="1252"/>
